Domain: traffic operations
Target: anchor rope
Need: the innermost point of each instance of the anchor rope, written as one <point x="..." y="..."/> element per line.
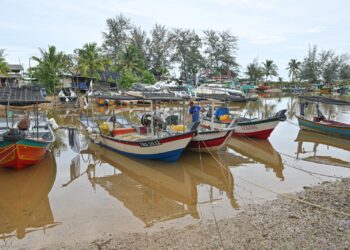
<point x="281" y="194"/>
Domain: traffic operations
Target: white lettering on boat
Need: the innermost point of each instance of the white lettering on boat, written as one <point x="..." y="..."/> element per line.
<point x="149" y="143"/>
<point x="249" y="127"/>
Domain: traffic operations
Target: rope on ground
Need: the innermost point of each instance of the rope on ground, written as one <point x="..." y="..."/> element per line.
<point x="303" y="170"/>
<point x="312" y="173"/>
<point x="216" y="223"/>
<point x="284" y="195"/>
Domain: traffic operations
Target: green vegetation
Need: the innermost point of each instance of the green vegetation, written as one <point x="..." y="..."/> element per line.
<point x="326" y="66"/>
<point x="269" y="69"/>
<point x="50" y="66"/>
<point x="90" y="61"/>
<point x="137" y="55"/>
<point x="4" y="68"/>
<point x="294" y="68"/>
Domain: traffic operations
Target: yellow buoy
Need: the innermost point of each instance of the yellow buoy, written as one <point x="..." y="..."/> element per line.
<point x="178" y="128"/>
<point x="104" y="128"/>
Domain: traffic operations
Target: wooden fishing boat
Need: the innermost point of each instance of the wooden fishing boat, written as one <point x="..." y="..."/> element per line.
<point x="254" y="128"/>
<point x="319" y="123"/>
<point x="325" y="126"/>
<point x="25" y="143"/>
<point x="147" y="141"/>
<point x="325" y="90"/>
<point x="211" y="140"/>
<point x="24" y="202"/>
<point x="168" y="148"/>
<point x="262" y="88"/>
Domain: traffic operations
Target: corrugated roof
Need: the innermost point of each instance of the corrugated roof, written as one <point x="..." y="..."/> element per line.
<point x="21" y="96"/>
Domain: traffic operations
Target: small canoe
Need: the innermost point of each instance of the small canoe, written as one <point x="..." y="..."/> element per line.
<point x="325" y="126"/>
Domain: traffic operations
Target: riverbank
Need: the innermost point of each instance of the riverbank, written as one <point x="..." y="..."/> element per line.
<point x="282" y="223"/>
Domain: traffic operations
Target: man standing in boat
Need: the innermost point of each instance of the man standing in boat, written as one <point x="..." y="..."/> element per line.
<point x="194" y="111"/>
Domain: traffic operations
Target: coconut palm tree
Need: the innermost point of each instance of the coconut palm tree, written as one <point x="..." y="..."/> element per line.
<point x="269" y="69"/>
<point x="131" y="60"/>
<point x="4" y="68"/>
<point x="294" y="68"/>
<point x="254" y="71"/>
<point x="50" y="65"/>
<point x="90" y="61"/>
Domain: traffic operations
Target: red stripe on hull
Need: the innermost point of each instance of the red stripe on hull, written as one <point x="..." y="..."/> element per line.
<point x="264" y="134"/>
<point x="211" y="144"/>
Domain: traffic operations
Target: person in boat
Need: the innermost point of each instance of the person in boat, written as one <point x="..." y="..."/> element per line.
<point x="221" y="111"/>
<point x="194" y="111"/>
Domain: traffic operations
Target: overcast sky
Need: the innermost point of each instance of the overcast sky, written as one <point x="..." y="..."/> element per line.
<point x="269" y="29"/>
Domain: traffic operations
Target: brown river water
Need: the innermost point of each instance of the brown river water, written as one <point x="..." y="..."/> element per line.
<point x="82" y="192"/>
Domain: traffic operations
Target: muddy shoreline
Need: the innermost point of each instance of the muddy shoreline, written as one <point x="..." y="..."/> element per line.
<point x="282" y="223"/>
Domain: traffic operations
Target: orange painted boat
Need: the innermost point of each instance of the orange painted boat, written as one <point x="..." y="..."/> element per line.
<point x="23" y="144"/>
<point x="101" y="101"/>
<point x="19" y="149"/>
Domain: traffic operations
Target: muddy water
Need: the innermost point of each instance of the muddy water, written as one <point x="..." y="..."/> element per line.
<point x="81" y="191"/>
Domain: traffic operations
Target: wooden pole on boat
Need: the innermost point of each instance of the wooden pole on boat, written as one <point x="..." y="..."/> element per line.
<point x="212" y="116"/>
<point x="152" y="116"/>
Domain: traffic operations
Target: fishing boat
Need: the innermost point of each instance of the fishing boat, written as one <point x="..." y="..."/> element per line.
<point x="210" y="140"/>
<point x="24" y="203"/>
<point x="319" y="123"/>
<point x="146" y="141"/>
<point x="222" y="93"/>
<point x="67" y="95"/>
<point x="262" y="88"/>
<point x="23" y="143"/>
<point x="325" y="90"/>
<point x="326" y="126"/>
<point x="245" y="127"/>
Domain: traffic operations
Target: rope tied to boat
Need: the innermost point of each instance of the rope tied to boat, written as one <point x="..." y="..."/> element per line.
<point x="280" y="194"/>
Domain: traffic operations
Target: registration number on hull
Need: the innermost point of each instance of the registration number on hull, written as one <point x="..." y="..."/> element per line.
<point x="150" y="143"/>
<point x="249" y="127"/>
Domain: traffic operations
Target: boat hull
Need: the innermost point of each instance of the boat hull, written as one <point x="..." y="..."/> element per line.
<point x="23" y="153"/>
<point x="343" y="131"/>
<point x="210" y="141"/>
<point x="166" y="149"/>
<point x="256" y="129"/>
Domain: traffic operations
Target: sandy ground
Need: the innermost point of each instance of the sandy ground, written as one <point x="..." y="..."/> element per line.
<point x="278" y="224"/>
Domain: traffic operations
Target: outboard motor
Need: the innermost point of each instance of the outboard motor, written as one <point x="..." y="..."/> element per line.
<point x="14" y="135"/>
<point x="281" y="115"/>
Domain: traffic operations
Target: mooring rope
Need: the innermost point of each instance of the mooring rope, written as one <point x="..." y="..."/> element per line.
<point x="283" y="195"/>
<point x="288" y="165"/>
<point x="211" y="208"/>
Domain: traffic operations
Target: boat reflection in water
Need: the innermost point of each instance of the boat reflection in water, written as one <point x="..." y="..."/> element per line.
<point x="317" y="139"/>
<point x="24" y="202"/>
<point x="158" y="191"/>
<point x="259" y="151"/>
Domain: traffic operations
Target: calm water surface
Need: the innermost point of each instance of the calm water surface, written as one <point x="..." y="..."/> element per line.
<point x="81" y="191"/>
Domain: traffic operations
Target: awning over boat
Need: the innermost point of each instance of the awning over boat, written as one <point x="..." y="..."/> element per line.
<point x="21" y="96"/>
